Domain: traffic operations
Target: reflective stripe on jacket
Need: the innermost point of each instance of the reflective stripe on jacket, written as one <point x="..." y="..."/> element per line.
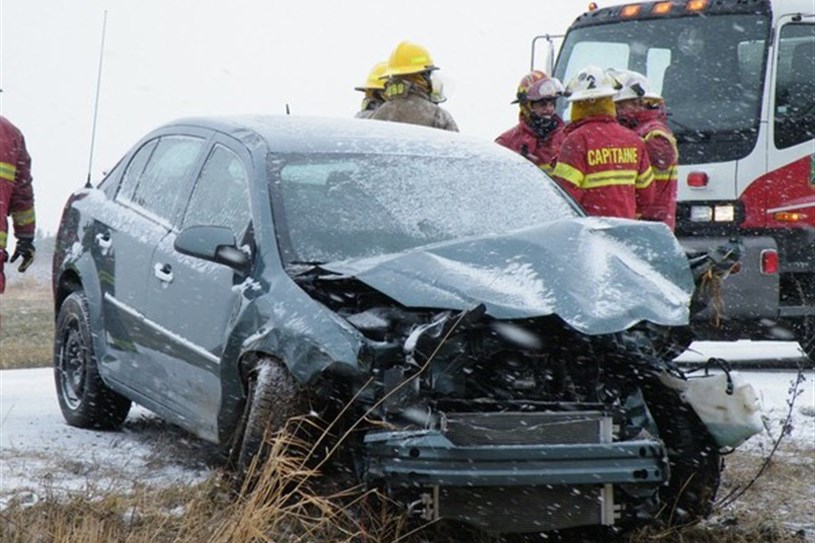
<point x="664" y="157"/>
<point x="605" y="167"/>
<point x="16" y="192"/>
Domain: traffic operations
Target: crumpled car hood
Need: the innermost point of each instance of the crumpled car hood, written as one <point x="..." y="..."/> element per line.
<point x="600" y="275"/>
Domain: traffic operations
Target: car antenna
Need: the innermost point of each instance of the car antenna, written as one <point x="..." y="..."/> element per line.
<point x="96" y="101"/>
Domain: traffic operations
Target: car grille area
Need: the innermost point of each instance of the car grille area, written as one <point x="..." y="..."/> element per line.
<point x="527" y="428"/>
<point x="527" y="510"/>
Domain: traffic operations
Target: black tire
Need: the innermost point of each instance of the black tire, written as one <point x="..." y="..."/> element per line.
<point x="694" y="458"/>
<point x="803" y="328"/>
<point x="85" y="400"/>
<point x="272" y="398"/>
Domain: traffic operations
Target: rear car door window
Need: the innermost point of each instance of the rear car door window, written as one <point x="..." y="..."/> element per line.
<point x="134" y="171"/>
<point x="160" y="182"/>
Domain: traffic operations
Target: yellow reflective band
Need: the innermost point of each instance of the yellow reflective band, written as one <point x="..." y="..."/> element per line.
<point x="3" y="238"/>
<point x="610" y="178"/>
<point x="23" y="218"/>
<point x="661" y="134"/>
<point x="421" y="59"/>
<point x="645" y="180"/>
<point x="8" y="171"/>
<point x="547" y="168"/>
<point x="666" y="175"/>
<point x="395" y="89"/>
<point x="570" y="174"/>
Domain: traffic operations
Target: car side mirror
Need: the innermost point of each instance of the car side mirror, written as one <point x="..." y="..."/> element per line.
<point x="213" y="243"/>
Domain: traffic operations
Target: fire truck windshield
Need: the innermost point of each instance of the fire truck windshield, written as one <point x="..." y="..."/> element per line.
<point x="709" y="70"/>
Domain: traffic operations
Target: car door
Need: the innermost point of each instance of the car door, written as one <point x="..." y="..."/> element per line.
<point x="125" y="238"/>
<point x="194" y="301"/>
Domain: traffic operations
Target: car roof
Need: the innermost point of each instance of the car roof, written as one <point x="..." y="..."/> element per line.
<point x="290" y="133"/>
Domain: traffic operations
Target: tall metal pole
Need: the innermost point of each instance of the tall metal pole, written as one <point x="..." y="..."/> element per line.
<point x="96" y="102"/>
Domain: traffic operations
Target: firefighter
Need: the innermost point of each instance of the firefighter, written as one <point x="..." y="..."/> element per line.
<point x="602" y="164"/>
<point x="374" y="89"/>
<point x="539" y="132"/>
<point x="16" y="198"/>
<point x="644" y="112"/>
<point x="409" y="90"/>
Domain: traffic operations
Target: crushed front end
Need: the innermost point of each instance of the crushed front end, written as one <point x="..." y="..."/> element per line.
<point x="511" y="427"/>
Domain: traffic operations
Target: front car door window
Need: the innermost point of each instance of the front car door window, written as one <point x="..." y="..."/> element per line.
<point x="221" y="194"/>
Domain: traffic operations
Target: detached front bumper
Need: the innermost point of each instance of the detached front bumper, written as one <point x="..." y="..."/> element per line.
<point x="517" y="472"/>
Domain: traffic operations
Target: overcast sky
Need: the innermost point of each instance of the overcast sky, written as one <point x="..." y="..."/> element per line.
<point x="165" y="59"/>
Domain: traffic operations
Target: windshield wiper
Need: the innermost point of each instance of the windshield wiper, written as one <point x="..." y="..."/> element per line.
<point x="686" y="133"/>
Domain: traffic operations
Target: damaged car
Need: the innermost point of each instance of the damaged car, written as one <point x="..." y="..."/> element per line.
<point x="503" y="359"/>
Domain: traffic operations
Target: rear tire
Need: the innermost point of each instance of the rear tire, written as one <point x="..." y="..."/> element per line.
<point x="85" y="400"/>
<point x="694" y="457"/>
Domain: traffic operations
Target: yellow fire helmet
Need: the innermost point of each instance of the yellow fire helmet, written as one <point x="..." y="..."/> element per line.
<point x="375" y="80"/>
<point x="409" y="58"/>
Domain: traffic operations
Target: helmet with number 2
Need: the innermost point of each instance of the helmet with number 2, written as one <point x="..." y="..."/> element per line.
<point x="591" y="83"/>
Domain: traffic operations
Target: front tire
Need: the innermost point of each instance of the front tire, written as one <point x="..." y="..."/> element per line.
<point x="272" y="398"/>
<point x="85" y="400"/>
<point x="694" y="457"/>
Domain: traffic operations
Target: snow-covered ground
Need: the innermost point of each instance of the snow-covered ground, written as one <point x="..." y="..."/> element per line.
<point x="743" y="350"/>
<point x="39" y="453"/>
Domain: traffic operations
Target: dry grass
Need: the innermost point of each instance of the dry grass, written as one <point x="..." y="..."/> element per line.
<point x="286" y="501"/>
<point x="282" y="504"/>
<point x="26" y="325"/>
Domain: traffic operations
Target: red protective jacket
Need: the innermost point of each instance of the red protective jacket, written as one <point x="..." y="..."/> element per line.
<point x="605" y="167"/>
<point x="16" y="192"/>
<point x="524" y="141"/>
<point x="650" y="125"/>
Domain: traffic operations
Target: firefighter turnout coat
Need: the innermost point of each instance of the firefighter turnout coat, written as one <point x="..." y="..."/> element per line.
<point x="605" y="167"/>
<point x="409" y="104"/>
<point x="523" y="140"/>
<point x="16" y="192"/>
<point x="659" y="140"/>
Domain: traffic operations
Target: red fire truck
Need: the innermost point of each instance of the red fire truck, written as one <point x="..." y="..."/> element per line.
<point x="738" y="77"/>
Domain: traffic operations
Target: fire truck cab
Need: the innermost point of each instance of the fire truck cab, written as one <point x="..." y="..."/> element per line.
<point x="738" y="78"/>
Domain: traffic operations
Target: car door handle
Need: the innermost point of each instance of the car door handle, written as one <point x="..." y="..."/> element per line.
<point x="104" y="240"/>
<point x="164" y="272"/>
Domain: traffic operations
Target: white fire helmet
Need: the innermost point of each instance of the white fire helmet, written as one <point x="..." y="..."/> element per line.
<point x="590" y="83"/>
<point x="544" y="88"/>
<point x="634" y="85"/>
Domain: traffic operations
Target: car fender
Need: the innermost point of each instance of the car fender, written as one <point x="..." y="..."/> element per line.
<point x="288" y="325"/>
<point x="78" y="262"/>
<point x="308" y="337"/>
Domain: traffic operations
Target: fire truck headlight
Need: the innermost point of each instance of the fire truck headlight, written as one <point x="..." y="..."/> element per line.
<point x="701" y="213"/>
<point x="724" y="213"/>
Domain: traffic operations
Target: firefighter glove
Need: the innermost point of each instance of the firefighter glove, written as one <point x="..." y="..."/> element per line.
<point x="25" y="250"/>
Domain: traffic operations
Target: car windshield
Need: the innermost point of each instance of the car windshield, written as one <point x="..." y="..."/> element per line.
<point x="335" y="207"/>
<point x="708" y="69"/>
